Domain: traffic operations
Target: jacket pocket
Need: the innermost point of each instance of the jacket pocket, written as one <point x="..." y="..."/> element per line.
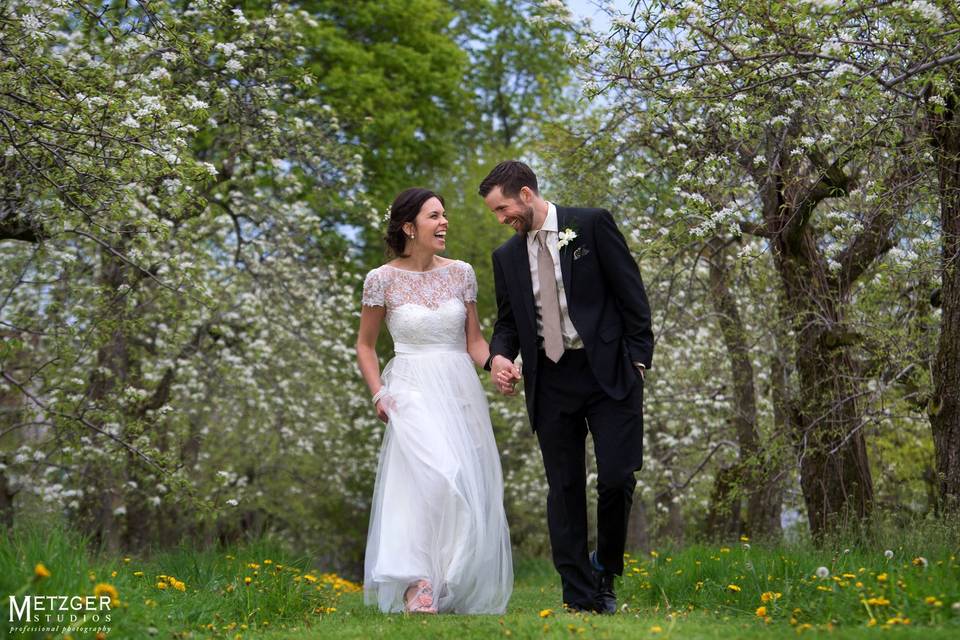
<point x="611" y="332"/>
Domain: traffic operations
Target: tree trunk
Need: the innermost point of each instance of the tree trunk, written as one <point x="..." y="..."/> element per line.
<point x="6" y="501"/>
<point x="110" y="375"/>
<point x="834" y="471"/>
<point x="670" y="529"/>
<point x="944" y="406"/>
<point x="723" y="517"/>
<point x="638" y="537"/>
<point x="753" y="472"/>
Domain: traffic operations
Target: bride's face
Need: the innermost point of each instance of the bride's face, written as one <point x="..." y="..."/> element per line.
<point x="429" y="228"/>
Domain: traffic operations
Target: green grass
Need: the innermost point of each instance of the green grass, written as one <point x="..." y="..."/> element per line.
<point x="667" y="594"/>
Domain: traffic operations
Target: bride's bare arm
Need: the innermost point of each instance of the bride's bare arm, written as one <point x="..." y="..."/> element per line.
<point x="370" y="320"/>
<point x="477" y="345"/>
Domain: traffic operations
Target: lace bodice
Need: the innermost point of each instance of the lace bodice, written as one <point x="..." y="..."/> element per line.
<point x="425" y="307"/>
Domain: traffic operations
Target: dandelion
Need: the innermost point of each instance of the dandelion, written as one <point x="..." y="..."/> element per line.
<point x="40" y="571"/>
<point x="888" y="554"/>
<point x="104" y="589"/>
<point x="823" y="572"/>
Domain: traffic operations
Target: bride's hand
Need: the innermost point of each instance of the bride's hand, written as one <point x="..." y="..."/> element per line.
<point x="385" y="405"/>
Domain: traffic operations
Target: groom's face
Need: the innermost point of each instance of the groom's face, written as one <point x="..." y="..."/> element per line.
<point x="516" y="211"/>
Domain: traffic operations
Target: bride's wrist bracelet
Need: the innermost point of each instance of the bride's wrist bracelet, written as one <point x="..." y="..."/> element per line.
<point x="379" y="394"/>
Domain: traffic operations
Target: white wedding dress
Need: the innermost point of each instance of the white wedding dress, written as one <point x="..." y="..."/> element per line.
<point x="437" y="509"/>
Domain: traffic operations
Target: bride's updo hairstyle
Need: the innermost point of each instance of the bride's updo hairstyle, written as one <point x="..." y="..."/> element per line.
<point x="404" y="209"/>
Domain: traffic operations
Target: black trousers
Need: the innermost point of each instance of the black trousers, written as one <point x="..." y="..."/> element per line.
<point x="569" y="403"/>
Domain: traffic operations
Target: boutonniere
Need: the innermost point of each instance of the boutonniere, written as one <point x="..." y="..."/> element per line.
<point x="565" y="237"/>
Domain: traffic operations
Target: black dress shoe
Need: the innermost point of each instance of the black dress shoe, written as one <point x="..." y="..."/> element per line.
<point x="606" y="598"/>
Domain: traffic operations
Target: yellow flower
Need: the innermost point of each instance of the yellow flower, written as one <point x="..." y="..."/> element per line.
<point x="40" y="571"/>
<point x="545" y="613"/>
<point x="104" y="589"/>
<point x="761" y="612"/>
<point x="734" y="588"/>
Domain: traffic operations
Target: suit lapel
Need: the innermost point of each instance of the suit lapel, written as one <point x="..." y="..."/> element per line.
<point x="524" y="278"/>
<point x="566" y="253"/>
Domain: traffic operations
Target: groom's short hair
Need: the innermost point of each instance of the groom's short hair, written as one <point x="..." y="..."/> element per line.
<point x="510" y="176"/>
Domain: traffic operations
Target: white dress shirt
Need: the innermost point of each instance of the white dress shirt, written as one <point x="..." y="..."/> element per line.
<point x="571" y="339"/>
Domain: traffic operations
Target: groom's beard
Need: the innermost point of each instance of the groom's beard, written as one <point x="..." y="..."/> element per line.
<point x="524" y="221"/>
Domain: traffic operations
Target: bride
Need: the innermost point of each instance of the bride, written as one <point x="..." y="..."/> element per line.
<point x="438" y="538"/>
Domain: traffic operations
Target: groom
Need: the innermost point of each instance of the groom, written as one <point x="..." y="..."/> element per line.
<point x="571" y="301"/>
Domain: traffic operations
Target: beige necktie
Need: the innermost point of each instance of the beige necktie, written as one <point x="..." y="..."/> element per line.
<point x="549" y="301"/>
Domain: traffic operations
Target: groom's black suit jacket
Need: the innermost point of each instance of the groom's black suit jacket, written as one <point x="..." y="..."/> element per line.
<point x="605" y="300"/>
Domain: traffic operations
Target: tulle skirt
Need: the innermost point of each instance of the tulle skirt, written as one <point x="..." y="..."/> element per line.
<point x="437" y="509"/>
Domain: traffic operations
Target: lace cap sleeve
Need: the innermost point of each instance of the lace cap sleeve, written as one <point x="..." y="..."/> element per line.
<point x="469" y="284"/>
<point x="373" y="286"/>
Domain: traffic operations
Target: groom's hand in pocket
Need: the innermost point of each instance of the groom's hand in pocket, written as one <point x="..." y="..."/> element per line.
<point x="504" y="375"/>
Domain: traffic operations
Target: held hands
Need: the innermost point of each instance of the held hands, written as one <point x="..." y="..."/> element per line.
<point x="504" y="375"/>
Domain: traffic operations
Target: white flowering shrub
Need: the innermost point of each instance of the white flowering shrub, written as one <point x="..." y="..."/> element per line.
<point x="178" y="307"/>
